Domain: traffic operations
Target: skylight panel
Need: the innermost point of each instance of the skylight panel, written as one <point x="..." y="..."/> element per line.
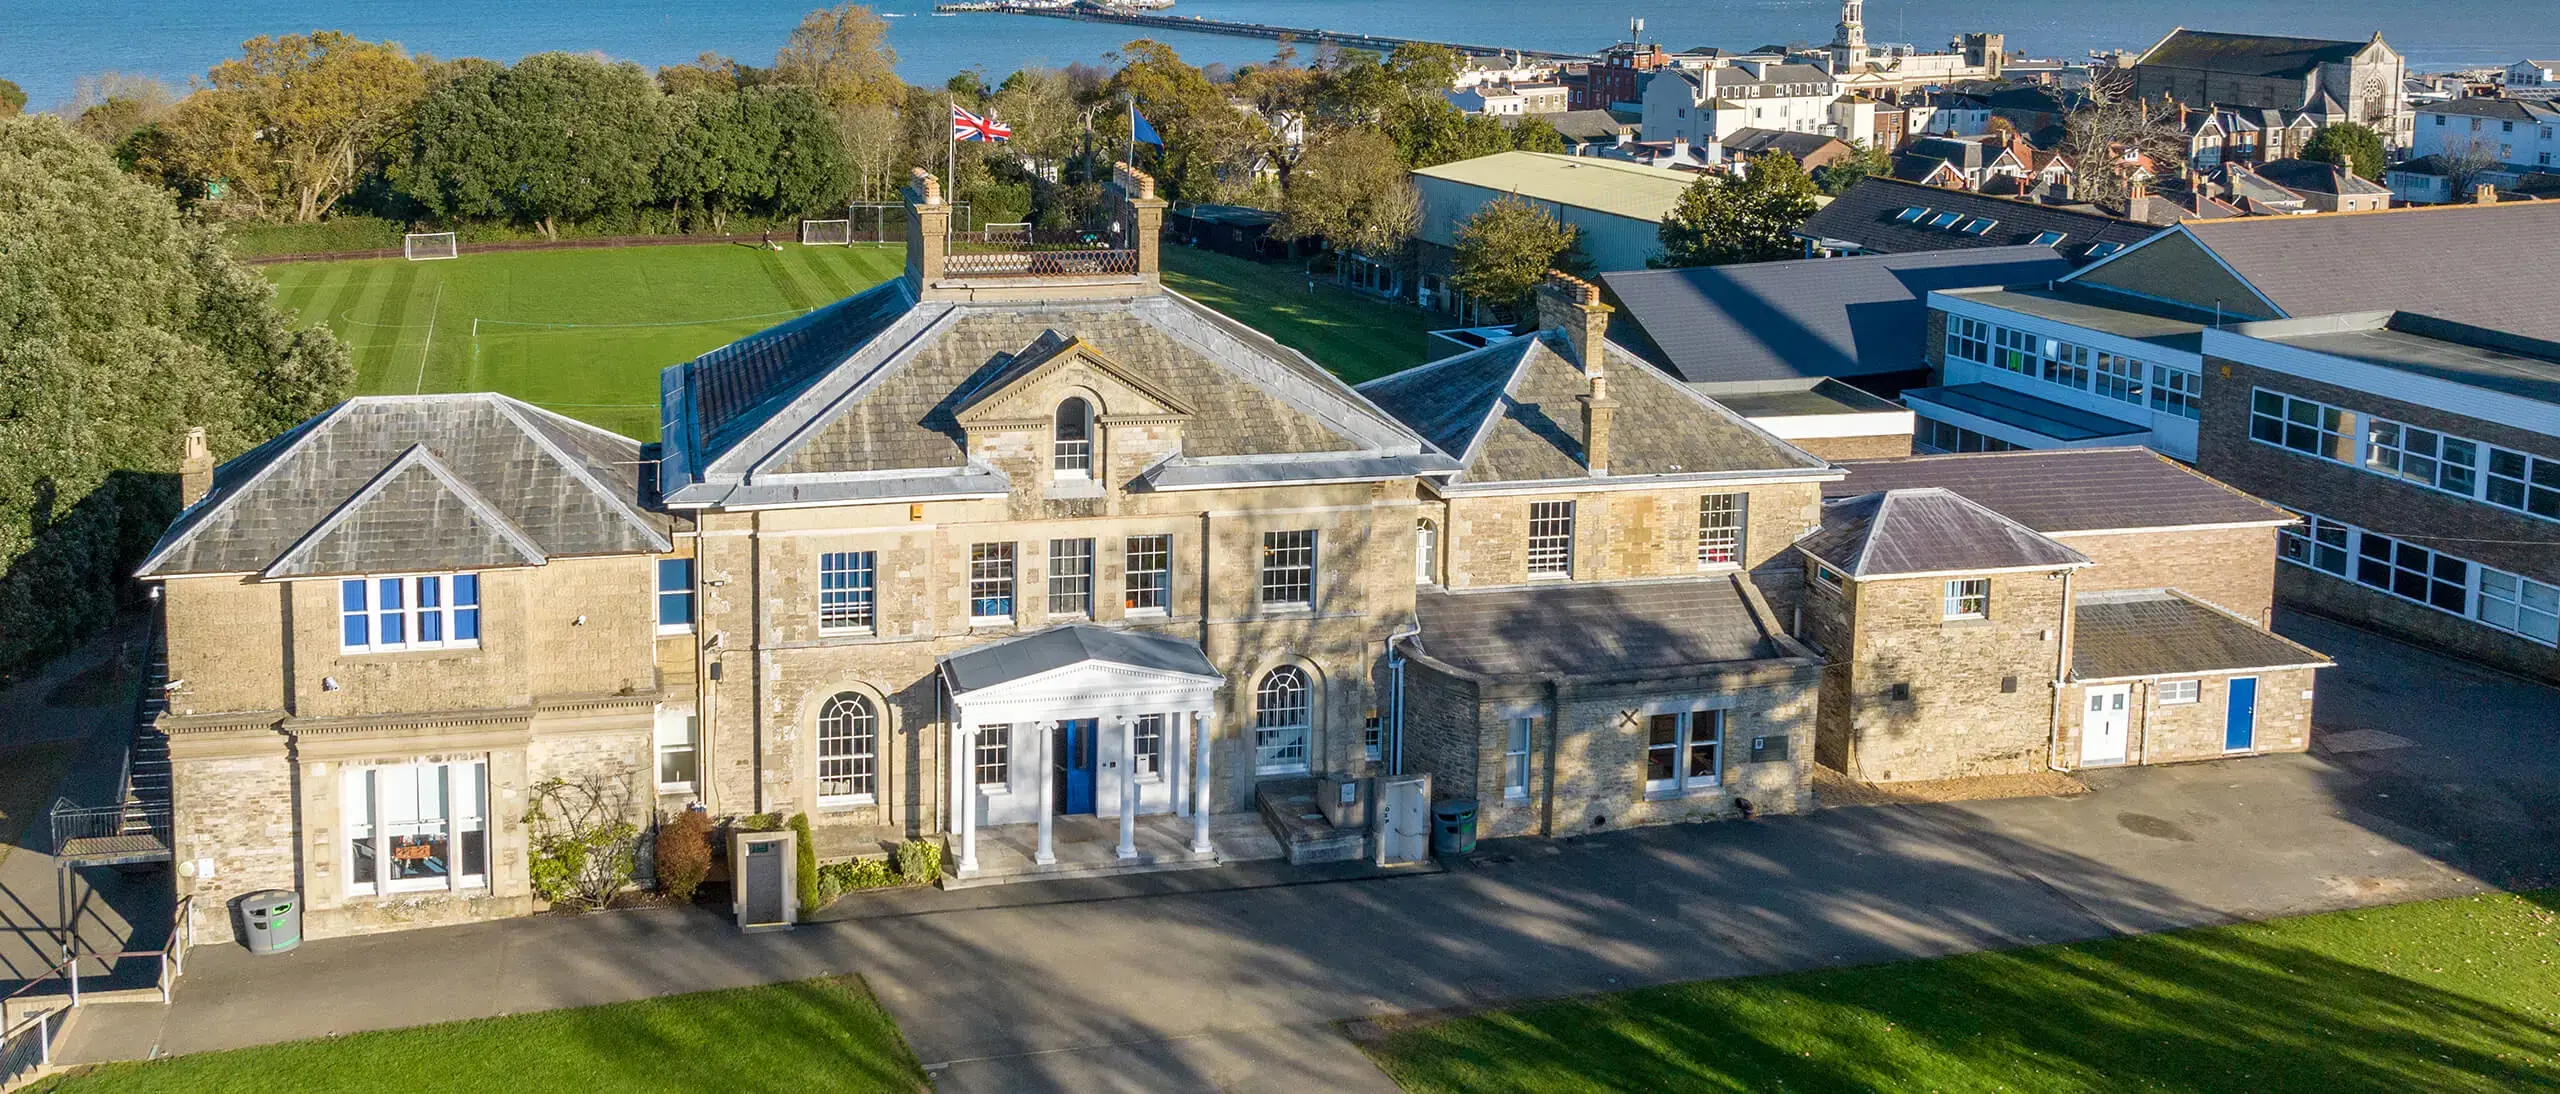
<point x="1911" y="215"/>
<point x="2102" y="250"/>
<point x="1979" y="226"/>
<point x="1945" y="220"/>
<point x="2048" y="239"/>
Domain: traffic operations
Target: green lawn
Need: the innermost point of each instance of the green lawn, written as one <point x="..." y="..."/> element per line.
<point x="800" y="1038"/>
<point x="585" y="332"/>
<point x="2455" y="995"/>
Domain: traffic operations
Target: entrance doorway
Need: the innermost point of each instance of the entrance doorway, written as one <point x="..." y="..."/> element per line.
<point x="2240" y="719"/>
<point x="2103" y="726"/>
<point x="1075" y="753"/>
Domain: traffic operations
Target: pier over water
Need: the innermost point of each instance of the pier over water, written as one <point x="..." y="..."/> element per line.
<point x="1313" y="36"/>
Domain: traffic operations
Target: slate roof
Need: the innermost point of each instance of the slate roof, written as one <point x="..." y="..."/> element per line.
<point x="418" y="482"/>
<point x="865" y="405"/>
<point x="1864" y="216"/>
<point x="1802" y="146"/>
<point x="2120" y="635"/>
<point x="1595" y="126"/>
<point x="1854" y="316"/>
<point x="1590" y="630"/>
<point x="2427" y="260"/>
<point x="1006" y="660"/>
<point x="2059" y="491"/>
<point x="1512" y="412"/>
<point x="2315" y="177"/>
<point x="2248" y="54"/>
<point x="2510" y="110"/>
<point x="1927" y="530"/>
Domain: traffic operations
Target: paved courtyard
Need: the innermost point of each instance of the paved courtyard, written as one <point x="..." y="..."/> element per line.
<point x="1236" y="979"/>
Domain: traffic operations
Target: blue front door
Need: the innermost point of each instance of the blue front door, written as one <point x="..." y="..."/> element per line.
<point x="1075" y="765"/>
<point x="2240" y="719"/>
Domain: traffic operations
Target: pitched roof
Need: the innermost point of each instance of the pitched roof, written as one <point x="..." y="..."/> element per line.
<point x="417" y="482"/>
<point x="1590" y="630"/>
<point x="1006" y="660"/>
<point x="1866" y="216"/>
<point x="1588" y="125"/>
<point x="2248" y="54"/>
<point x="1927" y="530"/>
<point x="2316" y="177"/>
<point x="1512" y="412"/>
<point x="2059" y="491"/>
<point x="2119" y="635"/>
<point x="2516" y="110"/>
<point x="1608" y="186"/>
<point x="1752" y="142"/>
<point x="1853" y="316"/>
<point x="2426" y="260"/>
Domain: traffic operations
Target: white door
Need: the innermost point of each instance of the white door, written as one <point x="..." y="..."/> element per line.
<point x="2103" y="724"/>
<point x="1404" y="820"/>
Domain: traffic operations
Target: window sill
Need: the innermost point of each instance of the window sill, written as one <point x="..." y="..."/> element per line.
<point x="996" y="623"/>
<point x="472" y="883"/>
<point x="1145" y="613"/>
<point x="1515" y="797"/>
<point x="664" y="630"/>
<point x="839" y="805"/>
<point x="995" y="790"/>
<point x="1718" y="567"/>
<point x="1288" y="609"/>
<point x="676" y="788"/>
<point x="1676" y="793"/>
<point x="1964" y="623"/>
<point x="1565" y="576"/>
<point x="848" y="632"/>
<point x="1279" y="772"/>
<point x="412" y="652"/>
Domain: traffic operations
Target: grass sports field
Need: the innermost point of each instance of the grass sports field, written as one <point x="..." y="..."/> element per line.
<point x="585" y="332"/>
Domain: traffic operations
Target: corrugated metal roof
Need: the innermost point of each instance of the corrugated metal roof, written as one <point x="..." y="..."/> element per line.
<point x="1009" y="659"/>
<point x="1584" y="182"/>
<point x="1927" y="530"/>
<point x="2160" y="632"/>
<point x="2059" y="490"/>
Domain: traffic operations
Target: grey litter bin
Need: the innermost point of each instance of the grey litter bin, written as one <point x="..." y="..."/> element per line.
<point x="1453" y="827"/>
<point x="271" y="920"/>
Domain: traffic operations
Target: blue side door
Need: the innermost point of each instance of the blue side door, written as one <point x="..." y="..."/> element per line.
<point x="2240" y="719"/>
<point x="1075" y="765"/>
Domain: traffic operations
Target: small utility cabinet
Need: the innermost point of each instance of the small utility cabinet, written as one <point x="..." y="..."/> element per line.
<point x="765" y="882"/>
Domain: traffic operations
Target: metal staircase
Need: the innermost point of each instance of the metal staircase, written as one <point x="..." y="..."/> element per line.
<point x="135" y="828"/>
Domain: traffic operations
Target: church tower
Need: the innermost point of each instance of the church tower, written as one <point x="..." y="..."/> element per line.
<point x="1849" y="40"/>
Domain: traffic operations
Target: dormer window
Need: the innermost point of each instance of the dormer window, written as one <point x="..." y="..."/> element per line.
<point x="1073" y="453"/>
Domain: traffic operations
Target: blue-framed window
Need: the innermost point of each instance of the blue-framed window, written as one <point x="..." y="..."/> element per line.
<point x="411" y="612"/>
<point x="675" y="595"/>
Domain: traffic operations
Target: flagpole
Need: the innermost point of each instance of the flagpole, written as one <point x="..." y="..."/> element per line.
<point x="951" y="148"/>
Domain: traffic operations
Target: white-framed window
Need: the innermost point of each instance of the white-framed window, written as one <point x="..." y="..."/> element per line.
<point x="2412" y="572"/>
<point x="2319" y="543"/>
<point x="995" y="757"/>
<point x="2118" y="377"/>
<point x="1426" y="552"/>
<point x="1071" y="577"/>
<point x="1938" y="436"/>
<point x="1550" y="539"/>
<point x="2180" y="691"/>
<point x="990" y="583"/>
<point x="1968" y="339"/>
<point x="1071" y="455"/>
<point x="2177" y="391"/>
<point x="2014" y="350"/>
<point x="848" y="750"/>
<point x="412" y="612"/>
<point x="1515" y="757"/>
<point x="675" y="595"/>
<point x="1968" y="598"/>
<point x="1721" y="519"/>
<point x="1147" y="731"/>
<point x="1373" y="738"/>
<point x="679" y="744"/>
<point x="1826" y="576"/>
<point x="1289" y="568"/>
<point x="1283" y="717"/>
<point x="2304" y="426"/>
<point x="2422" y="456"/>
<point x="1148" y="578"/>
<point x="2066" y="364"/>
<point x="1684" y="751"/>
<point x="846" y="591"/>
<point x="415" y="827"/>
<point x="2520" y="605"/>
<point x="2526" y="484"/>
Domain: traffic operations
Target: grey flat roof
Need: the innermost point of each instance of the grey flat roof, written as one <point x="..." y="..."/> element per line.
<point x="1590" y="630"/>
<point x="2062" y="490"/>
<point x="2159" y="632"/>
<point x="2532" y="377"/>
<point x="2044" y="416"/>
<point x="1823" y="397"/>
<point x="2122" y="316"/>
<point x="1009" y="659"/>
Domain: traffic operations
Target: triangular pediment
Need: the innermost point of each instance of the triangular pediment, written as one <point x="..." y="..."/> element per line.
<point x="415" y="515"/>
<point x="1026" y="390"/>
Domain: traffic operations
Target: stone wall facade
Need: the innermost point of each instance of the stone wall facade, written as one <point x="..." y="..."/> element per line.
<point x="1925" y="697"/>
<point x="2159" y="733"/>
<point x="1872" y="447"/>
<point x="1621" y="534"/>
<point x="2231" y="568"/>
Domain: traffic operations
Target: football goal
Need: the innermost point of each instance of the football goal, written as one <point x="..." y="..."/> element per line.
<point x="826" y="233"/>
<point x="1019" y="232"/>
<point x="421" y="246"/>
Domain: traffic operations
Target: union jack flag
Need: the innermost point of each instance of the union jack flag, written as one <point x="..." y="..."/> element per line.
<point x="966" y="126"/>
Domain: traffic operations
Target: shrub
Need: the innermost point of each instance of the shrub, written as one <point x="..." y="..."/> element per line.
<point x="584" y="847"/>
<point x="812" y="894"/>
<point x="920" y="862"/>
<point x="684" y="853"/>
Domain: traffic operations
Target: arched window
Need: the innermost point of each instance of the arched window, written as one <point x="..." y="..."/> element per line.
<point x="848" y="750"/>
<point x="1282" y="713"/>
<point x="1073" y="454"/>
<point x="1426" y="552"/>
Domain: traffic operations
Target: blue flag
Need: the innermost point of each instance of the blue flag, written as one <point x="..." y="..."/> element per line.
<point x="1141" y="132"/>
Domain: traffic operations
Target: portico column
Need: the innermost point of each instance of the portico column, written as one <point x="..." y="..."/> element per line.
<point x="1199" y="782"/>
<point x="964" y="754"/>
<point x="951" y="773"/>
<point x="1128" y="787"/>
<point x="1177" y="762"/>
<point x="1048" y="732"/>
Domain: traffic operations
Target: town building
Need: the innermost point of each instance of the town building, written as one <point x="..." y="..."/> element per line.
<point x="2327" y="81"/>
<point x="1617" y="206"/>
<point x="1704" y="106"/>
<point x="2324" y="187"/>
<point x="2532" y="80"/>
<point x="1891" y="216"/>
<point x="2465" y="143"/>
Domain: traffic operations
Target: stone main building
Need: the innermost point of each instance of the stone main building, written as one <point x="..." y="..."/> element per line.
<point x="1024" y="553"/>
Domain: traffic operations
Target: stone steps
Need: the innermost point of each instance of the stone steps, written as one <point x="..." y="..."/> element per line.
<point x="1289" y="808"/>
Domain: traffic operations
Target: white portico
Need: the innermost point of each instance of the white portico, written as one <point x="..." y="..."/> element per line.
<point x="1077" y="721"/>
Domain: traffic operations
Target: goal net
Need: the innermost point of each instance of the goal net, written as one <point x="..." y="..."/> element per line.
<point x="826" y="233"/>
<point x="421" y="246"/>
<point x="1009" y="233"/>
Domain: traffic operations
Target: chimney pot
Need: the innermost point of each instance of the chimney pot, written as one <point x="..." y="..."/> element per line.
<point x="195" y="466"/>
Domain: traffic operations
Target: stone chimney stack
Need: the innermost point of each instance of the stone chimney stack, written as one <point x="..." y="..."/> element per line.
<point x="1142" y="217"/>
<point x="1574" y="304"/>
<point x="195" y="467"/>
<point x="928" y="231"/>
<point x="2484" y="194"/>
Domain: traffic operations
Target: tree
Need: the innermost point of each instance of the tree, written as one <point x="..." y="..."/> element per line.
<point x="706" y="72"/>
<point x="1506" y="247"/>
<point x="1748" y="218"/>
<point x="557" y="137"/>
<point x="2350" y="145"/>
<point x="292" y="123"/>
<point x="1432" y="132"/>
<point x="1351" y="190"/>
<point x="107" y="107"/>
<point x="1835" y="178"/>
<point x="13" y="98"/>
<point x="843" y="54"/>
<point x="1206" y="139"/>
<point x="2463" y="163"/>
<point x="1536" y="134"/>
<point x="2110" y="136"/>
<point x="125" y="324"/>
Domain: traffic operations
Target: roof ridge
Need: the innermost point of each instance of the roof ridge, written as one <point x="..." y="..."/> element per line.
<point x="577" y="469"/>
<point x="217" y="499"/>
<point x="416" y="455"/>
